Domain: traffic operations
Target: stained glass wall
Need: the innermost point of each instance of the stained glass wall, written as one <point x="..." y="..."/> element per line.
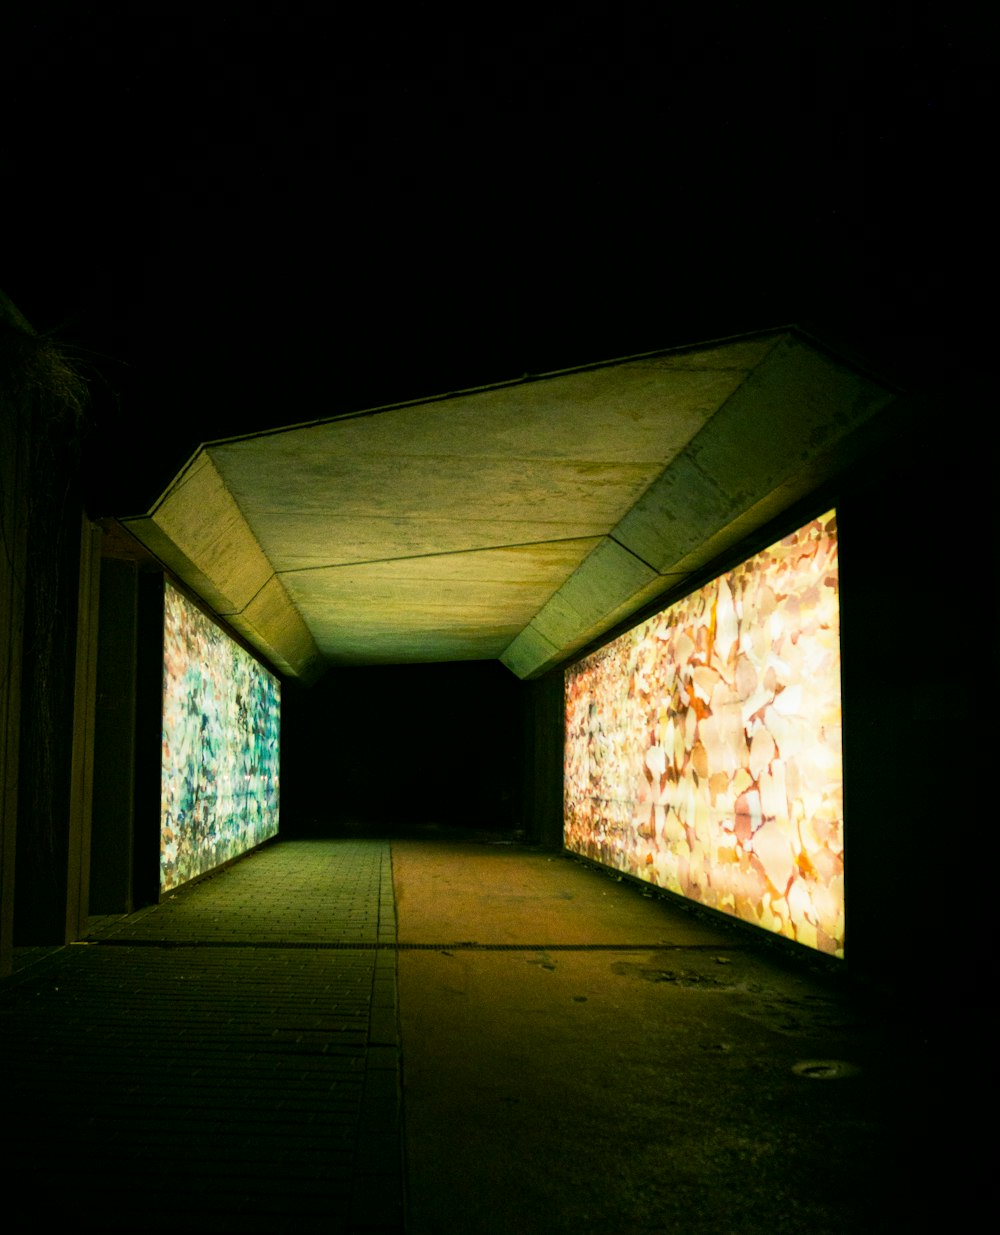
<point x="220" y="761"/>
<point x="703" y="747"/>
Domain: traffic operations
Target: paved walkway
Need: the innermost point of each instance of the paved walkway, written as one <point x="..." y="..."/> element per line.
<point x="584" y="1058"/>
<point x="226" y="1061"/>
<point x="573" y="1056"/>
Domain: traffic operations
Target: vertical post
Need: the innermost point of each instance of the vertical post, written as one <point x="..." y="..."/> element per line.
<point x="12" y="567"/>
<point x="82" y="754"/>
<point x="543" y="790"/>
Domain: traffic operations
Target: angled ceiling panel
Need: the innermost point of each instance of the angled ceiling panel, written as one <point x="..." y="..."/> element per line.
<point x="516" y="522"/>
<point x="433" y="601"/>
<point x="790" y="423"/>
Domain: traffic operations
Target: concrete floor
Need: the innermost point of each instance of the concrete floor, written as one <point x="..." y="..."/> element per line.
<point x="626" y="1067"/>
<point x="567" y="1054"/>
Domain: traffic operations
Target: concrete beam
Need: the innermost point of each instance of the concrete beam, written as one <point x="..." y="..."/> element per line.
<point x="607" y="585"/>
<point x="787" y="427"/>
<point x="198" y="532"/>
<point x="272" y="624"/>
<point x="795" y="422"/>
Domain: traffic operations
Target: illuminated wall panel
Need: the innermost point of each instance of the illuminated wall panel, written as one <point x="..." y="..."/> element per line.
<point x="703" y="747"/>
<point x="219" y="770"/>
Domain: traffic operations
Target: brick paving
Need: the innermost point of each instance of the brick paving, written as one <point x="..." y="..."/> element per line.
<point x="224" y="1061"/>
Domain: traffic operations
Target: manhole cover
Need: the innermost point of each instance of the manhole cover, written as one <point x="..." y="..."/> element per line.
<point x="825" y="1069"/>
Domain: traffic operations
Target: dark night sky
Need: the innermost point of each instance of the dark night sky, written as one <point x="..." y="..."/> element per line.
<point x="261" y="216"/>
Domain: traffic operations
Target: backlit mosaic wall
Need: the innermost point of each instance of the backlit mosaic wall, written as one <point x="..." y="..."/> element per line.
<point x="703" y="747"/>
<point x="219" y="771"/>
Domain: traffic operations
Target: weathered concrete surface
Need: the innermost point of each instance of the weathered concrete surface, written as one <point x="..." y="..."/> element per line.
<point x="518" y="522"/>
<point x="694" y="1084"/>
<point x="452" y="606"/>
<point x="199" y="532"/>
<point x="505" y="895"/>
<point x="791" y="425"/>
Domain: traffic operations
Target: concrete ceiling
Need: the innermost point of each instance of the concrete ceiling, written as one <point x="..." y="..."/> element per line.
<point x="516" y="522"/>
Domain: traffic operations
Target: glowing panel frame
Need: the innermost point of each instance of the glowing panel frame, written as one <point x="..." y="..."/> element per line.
<point x="220" y="762"/>
<point x="703" y="747"/>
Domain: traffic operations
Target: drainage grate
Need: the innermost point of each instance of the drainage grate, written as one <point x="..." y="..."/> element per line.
<point x="388" y="946"/>
<point x="472" y="946"/>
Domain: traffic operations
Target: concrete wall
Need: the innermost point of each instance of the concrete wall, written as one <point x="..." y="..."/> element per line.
<point x="544" y="724"/>
<point x="115" y="741"/>
<point x="921" y="672"/>
<point x="56" y="731"/>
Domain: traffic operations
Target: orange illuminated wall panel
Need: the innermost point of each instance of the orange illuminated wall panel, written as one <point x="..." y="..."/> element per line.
<point x="703" y="747"/>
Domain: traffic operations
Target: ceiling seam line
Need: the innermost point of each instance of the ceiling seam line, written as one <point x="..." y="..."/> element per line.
<point x="638" y="557"/>
<point x="416" y="557"/>
<point x="272" y="575"/>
